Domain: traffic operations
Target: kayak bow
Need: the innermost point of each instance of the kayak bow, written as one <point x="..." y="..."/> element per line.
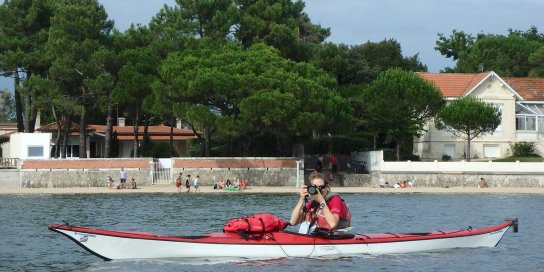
<point x="110" y="245"/>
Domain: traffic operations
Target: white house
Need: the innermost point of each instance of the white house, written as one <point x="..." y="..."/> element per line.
<point x="27" y="146"/>
<point x="521" y="101"/>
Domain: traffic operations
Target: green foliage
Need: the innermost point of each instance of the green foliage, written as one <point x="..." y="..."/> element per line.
<point x="361" y="64"/>
<point x="399" y="103"/>
<point x="7" y="107"/>
<point x="506" y="55"/>
<point x="278" y="23"/>
<point x="446" y="157"/>
<point x="522" y="149"/>
<point x="254" y="92"/>
<point x="338" y="145"/>
<point x="159" y="150"/>
<point x="532" y="158"/>
<point x="468" y="118"/>
<point x="517" y="54"/>
<point x="452" y="46"/>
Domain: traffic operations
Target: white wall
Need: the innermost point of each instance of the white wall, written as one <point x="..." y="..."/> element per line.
<point x="463" y="167"/>
<point x="20" y="144"/>
<point x="5" y="150"/>
<point x="373" y="159"/>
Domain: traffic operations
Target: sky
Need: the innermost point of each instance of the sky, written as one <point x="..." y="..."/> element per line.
<point x="413" y="23"/>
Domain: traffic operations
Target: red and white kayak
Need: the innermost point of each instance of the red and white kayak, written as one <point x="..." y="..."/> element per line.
<point x="112" y="245"/>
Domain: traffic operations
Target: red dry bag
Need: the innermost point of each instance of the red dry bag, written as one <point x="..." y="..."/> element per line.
<point x="255" y="224"/>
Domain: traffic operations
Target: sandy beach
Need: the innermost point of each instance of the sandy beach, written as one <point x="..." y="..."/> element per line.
<point x="279" y="190"/>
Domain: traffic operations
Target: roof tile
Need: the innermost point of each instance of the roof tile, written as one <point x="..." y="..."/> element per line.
<point x="454" y="84"/>
<point x="531" y="89"/>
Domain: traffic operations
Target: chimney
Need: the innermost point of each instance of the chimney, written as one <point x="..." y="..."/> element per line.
<point x="121" y="121"/>
<point x="178" y="123"/>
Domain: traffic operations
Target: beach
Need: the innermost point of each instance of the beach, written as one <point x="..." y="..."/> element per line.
<point x="167" y="188"/>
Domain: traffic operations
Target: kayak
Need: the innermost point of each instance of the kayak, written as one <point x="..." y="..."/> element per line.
<point x="114" y="245"/>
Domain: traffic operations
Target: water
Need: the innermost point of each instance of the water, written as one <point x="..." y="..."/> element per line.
<point x="27" y="245"/>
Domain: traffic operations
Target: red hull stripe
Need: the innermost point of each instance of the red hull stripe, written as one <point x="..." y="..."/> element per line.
<point x="288" y="238"/>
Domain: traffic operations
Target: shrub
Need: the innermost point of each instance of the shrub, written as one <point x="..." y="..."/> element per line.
<point x="446" y="157"/>
<point x="522" y="149"/>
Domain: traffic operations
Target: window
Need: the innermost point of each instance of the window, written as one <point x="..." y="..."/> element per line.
<point x="526" y="122"/>
<point x="35" y="151"/>
<point x="499" y="106"/>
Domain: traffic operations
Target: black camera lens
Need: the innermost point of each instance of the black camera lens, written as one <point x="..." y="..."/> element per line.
<point x="312" y="189"/>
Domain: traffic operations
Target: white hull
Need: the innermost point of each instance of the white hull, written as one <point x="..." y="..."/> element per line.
<point x="109" y="246"/>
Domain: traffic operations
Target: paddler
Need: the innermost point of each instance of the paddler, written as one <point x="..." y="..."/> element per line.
<point x="319" y="209"/>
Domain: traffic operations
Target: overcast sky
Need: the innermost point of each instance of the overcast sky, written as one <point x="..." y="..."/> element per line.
<point x="413" y="23"/>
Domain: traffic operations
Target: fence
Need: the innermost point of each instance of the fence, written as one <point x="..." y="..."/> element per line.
<point x="8" y="163"/>
<point x="162" y="171"/>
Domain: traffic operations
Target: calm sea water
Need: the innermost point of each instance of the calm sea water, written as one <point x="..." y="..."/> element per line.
<point x="27" y="245"/>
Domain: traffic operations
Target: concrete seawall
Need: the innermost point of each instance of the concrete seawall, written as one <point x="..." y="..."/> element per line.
<point x="258" y="171"/>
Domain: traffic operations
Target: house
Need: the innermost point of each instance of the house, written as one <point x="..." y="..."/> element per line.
<point x="520" y="100"/>
<point x="96" y="135"/>
<point x="6" y="129"/>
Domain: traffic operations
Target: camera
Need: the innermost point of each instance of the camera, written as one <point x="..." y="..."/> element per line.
<point x="313" y="189"/>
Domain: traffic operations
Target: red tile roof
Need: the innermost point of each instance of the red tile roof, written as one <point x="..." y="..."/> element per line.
<point x="235" y="163"/>
<point x="453" y="84"/>
<point x="87" y="164"/>
<point x="531" y="89"/>
<point x="127" y="132"/>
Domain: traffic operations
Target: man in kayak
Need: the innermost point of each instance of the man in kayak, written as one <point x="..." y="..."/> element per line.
<point x="324" y="210"/>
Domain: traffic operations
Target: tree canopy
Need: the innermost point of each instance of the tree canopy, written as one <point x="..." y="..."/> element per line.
<point x="468" y="118"/>
<point x="518" y="54"/>
<point x="256" y="93"/>
<point x="399" y="103"/>
<point x="248" y="77"/>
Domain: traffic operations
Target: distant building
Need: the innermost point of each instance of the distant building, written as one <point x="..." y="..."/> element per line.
<point x="520" y="100"/>
<point x="95" y="140"/>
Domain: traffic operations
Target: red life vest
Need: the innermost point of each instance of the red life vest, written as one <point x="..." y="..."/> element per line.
<point x="258" y="223"/>
<point x="316" y="215"/>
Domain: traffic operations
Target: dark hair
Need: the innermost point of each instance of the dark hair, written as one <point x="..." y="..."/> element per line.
<point x="317" y="175"/>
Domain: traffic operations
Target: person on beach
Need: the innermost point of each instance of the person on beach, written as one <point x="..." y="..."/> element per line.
<point x="110" y="183"/>
<point x="334" y="164"/>
<point x="188" y="183"/>
<point x="228" y="184"/>
<point x="195" y="184"/>
<point x="243" y="184"/>
<point x="133" y="184"/>
<point x="482" y="183"/>
<point x="221" y="184"/>
<point x="122" y="177"/>
<point x="178" y="182"/>
<point x="324" y="210"/>
<point x="319" y="163"/>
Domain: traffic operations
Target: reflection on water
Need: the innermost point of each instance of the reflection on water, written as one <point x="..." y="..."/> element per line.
<point x="26" y="244"/>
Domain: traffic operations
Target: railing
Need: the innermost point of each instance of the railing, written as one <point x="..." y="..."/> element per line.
<point x="162" y="171"/>
<point x="8" y="163"/>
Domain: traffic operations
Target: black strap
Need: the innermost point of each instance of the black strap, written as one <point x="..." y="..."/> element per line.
<point x="248" y="235"/>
